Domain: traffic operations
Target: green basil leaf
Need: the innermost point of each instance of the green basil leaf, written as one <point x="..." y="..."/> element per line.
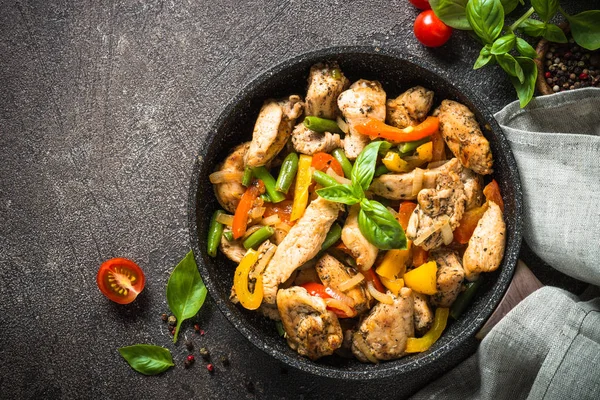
<point x="510" y="5"/>
<point x="364" y="166"/>
<point x="185" y="291"/>
<point x="554" y="34"/>
<point x="585" y="28"/>
<point x="147" y="359"/>
<point x="533" y="27"/>
<point x="503" y="44"/>
<point x="485" y="57"/>
<point x="511" y="66"/>
<point x="486" y="18"/>
<point x="545" y="8"/>
<point x="452" y="13"/>
<point x="525" y="89"/>
<point x="525" y="49"/>
<point x="340" y="194"/>
<point x="379" y="226"/>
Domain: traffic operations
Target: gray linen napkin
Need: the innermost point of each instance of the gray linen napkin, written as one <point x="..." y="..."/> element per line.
<point x="549" y="345"/>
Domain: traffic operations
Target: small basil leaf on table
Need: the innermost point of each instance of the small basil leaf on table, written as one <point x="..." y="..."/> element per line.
<point x="379" y="227"/>
<point x="185" y="291"/>
<point x="364" y="166"/>
<point x="585" y="28"/>
<point x="525" y="89"/>
<point x="545" y="8"/>
<point x="340" y="194"/>
<point x="486" y="18"/>
<point x="554" y="34"/>
<point x="451" y="12"/>
<point x="525" y="49"/>
<point x="147" y="359"/>
<point x="503" y="44"/>
<point x="511" y="66"/>
<point x="485" y="57"/>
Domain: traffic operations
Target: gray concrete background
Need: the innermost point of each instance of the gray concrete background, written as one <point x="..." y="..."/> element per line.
<point x="103" y="105"/>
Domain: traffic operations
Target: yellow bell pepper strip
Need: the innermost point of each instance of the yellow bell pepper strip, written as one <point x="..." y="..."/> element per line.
<point x="303" y="181"/>
<point x="425" y="152"/>
<point x="422" y="279"/>
<point x="375" y="128"/>
<point x="418" y="345"/>
<point x="395" y="163"/>
<point x="394" y="263"/>
<point x="394" y="285"/>
<point x="248" y="300"/>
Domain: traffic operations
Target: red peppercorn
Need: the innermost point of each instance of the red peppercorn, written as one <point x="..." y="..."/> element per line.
<point x="583" y="76"/>
<point x="201" y="332"/>
<point x="197" y="327"/>
<point x="210" y="367"/>
<point x="548" y="74"/>
<point x="191" y="358"/>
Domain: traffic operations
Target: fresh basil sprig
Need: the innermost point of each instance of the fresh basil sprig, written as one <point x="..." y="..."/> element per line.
<point x="486" y="19"/>
<point x="185" y="291"/>
<point x="375" y="222"/>
<point x="147" y="359"/>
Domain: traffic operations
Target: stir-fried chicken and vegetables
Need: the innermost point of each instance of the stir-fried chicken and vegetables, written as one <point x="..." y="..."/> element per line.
<point x="359" y="222"/>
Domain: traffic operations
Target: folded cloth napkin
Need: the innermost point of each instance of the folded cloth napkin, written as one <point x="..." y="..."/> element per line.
<point x="549" y="345"/>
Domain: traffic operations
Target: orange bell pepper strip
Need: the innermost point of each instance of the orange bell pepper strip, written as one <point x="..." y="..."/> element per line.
<point x="240" y="218"/>
<point x="375" y="128"/>
<point x="420" y="256"/>
<point x="404" y="212"/>
<point x="468" y="223"/>
<point x="438" y="152"/>
<point x="322" y="161"/>
<point x="492" y="193"/>
<point x="418" y="345"/>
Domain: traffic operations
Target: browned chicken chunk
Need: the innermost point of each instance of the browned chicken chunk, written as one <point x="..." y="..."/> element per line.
<point x="311" y="330"/>
<point x="333" y="273"/>
<point x="365" y="99"/>
<point x="234" y="250"/>
<point x="302" y="243"/>
<point x="307" y="141"/>
<point x="325" y="83"/>
<point x="473" y="185"/>
<point x="229" y="193"/>
<point x="410" y="108"/>
<point x="272" y="129"/>
<point x="362" y="250"/>
<point x="464" y="137"/>
<point x="486" y="247"/>
<point x="450" y="275"/>
<point x="383" y="333"/>
<point x="423" y="313"/>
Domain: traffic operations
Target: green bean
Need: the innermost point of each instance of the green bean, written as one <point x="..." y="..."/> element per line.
<point x="323" y="179"/>
<point x="228" y="235"/>
<point x="258" y="237"/>
<point x="279" y="327"/>
<point x="408" y="147"/>
<point x="265" y="176"/>
<point x="464" y="298"/>
<point x="336" y="74"/>
<point x="287" y="173"/>
<point x="339" y="155"/>
<point x="380" y="170"/>
<point x="334" y="234"/>
<point x="266" y="198"/>
<point x="321" y="125"/>
<point x="247" y="178"/>
<point x="215" y="231"/>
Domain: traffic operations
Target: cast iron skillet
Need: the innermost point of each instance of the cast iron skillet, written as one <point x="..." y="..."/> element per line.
<point x="397" y="72"/>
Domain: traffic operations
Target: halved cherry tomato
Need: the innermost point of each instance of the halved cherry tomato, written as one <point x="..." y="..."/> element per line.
<point x="421" y="4"/>
<point x="322" y="161"/>
<point x="121" y="280"/>
<point x="371" y="276"/>
<point x="430" y="30"/>
<point x="319" y="290"/>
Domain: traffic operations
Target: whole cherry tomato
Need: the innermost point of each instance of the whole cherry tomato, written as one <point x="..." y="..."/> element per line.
<point x="430" y="30"/>
<point x="121" y="280"/>
<point x="421" y="4"/>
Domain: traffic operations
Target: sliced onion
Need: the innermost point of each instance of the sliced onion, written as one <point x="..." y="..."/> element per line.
<point x="283" y="226"/>
<point x="339" y="296"/>
<point x="340" y="179"/>
<point x="359" y="341"/>
<point x="226" y="177"/>
<point x="342" y="124"/>
<point x="377" y="295"/>
<point x="271" y="220"/>
<point x="350" y="283"/>
<point x="436" y="164"/>
<point x="340" y="305"/>
<point x="250" y="230"/>
<point x="447" y="234"/>
<point x="444" y="219"/>
<point x="417" y="181"/>
<point x="257" y="212"/>
<point x="225" y="219"/>
<point x="266" y="252"/>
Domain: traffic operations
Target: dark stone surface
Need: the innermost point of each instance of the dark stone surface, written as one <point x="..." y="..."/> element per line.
<point x="103" y="106"/>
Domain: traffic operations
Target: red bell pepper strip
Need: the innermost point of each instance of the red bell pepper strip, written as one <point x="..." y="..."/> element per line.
<point x="322" y="161"/>
<point x="240" y="218"/>
<point x="371" y="276"/>
<point x="319" y="290"/>
<point x="375" y="128"/>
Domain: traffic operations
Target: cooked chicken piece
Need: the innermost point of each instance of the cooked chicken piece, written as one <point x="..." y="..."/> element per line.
<point x="234" y="250"/>
<point x="309" y="142"/>
<point x="311" y="330"/>
<point x="333" y="273"/>
<point x="362" y="250"/>
<point x="400" y="186"/>
<point x="270" y="312"/>
<point x="450" y="275"/>
<point x="306" y="275"/>
<point x="410" y="108"/>
<point x="464" y="137"/>
<point x="229" y="193"/>
<point x="325" y="83"/>
<point x="423" y="313"/>
<point x="278" y="236"/>
<point x="365" y="99"/>
<point x="383" y="333"/>
<point x="272" y="129"/>
<point x="486" y="247"/>
<point x="302" y="243"/>
<point x="445" y="203"/>
<point x="473" y="185"/>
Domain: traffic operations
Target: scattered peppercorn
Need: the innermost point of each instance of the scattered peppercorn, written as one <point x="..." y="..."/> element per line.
<point x="225" y="361"/>
<point x="201" y="332"/>
<point x="210" y="368"/>
<point x="164" y="317"/>
<point x="204" y="353"/>
<point x="172" y="320"/>
<point x="187" y="364"/>
<point x="191" y="358"/>
<point x="189" y="345"/>
<point x="197" y="328"/>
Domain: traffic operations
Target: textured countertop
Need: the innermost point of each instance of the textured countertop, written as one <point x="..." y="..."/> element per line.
<point x="103" y="105"/>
